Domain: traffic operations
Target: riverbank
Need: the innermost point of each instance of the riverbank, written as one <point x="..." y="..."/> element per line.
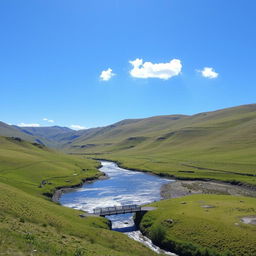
<point x="189" y="187"/>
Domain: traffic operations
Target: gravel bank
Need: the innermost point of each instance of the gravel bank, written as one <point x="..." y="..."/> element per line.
<point x="184" y="188"/>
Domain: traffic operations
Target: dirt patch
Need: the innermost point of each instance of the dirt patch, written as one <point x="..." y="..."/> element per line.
<point x="249" y="220"/>
<point x="207" y="206"/>
<point x="182" y="188"/>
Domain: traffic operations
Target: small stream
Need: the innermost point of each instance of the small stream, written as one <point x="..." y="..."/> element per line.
<point x="121" y="188"/>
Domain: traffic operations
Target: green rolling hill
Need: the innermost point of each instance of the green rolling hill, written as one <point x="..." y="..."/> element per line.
<point x="212" y="145"/>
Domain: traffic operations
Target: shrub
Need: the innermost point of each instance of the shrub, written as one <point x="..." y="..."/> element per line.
<point x="157" y="234"/>
<point x="79" y="252"/>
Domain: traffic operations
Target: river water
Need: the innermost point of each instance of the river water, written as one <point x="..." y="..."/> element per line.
<point x="121" y="188"/>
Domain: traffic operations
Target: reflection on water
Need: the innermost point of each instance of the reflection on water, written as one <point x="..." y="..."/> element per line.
<point x="123" y="187"/>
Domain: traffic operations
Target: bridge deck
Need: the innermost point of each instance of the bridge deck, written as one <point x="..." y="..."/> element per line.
<point x="116" y="210"/>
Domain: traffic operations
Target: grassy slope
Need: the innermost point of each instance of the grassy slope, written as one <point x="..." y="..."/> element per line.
<point x="179" y="221"/>
<point x="30" y="224"/>
<point x="217" y="145"/>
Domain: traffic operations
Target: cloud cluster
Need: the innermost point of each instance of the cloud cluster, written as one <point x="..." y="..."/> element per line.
<point x="28" y="125"/>
<point x="164" y="71"/>
<point x="48" y="120"/>
<point x="208" y="72"/>
<point x="77" y="127"/>
<point x="106" y="74"/>
<point x="155" y="70"/>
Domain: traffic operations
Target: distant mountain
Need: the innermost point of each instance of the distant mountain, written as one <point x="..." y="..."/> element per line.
<point x="124" y="129"/>
<point x="43" y="135"/>
<point x="12" y="131"/>
<point x="48" y="134"/>
<point x="226" y="124"/>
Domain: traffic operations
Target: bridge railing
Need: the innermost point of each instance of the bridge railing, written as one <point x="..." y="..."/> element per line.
<point x="116" y="210"/>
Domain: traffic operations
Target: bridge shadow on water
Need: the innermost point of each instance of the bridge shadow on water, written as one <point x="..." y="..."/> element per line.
<point x="126" y="229"/>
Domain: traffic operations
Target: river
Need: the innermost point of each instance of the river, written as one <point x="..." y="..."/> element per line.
<point x="121" y="188"/>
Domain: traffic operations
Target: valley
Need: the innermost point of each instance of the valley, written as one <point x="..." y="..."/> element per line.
<point x="212" y="148"/>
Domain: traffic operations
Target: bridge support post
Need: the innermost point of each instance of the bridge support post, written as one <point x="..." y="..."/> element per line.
<point x="137" y="218"/>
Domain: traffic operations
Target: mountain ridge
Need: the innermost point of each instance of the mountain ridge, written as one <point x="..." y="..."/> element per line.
<point x="162" y="127"/>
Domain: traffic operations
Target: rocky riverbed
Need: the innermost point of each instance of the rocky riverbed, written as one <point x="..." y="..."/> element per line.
<point x="184" y="188"/>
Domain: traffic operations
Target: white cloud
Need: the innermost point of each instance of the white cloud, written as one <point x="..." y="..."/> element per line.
<point x="77" y="127"/>
<point x="48" y="120"/>
<point x="155" y="70"/>
<point x="107" y="74"/>
<point x="28" y="125"/>
<point x="208" y="73"/>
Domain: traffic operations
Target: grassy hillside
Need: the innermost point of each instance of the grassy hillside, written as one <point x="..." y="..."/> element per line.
<point x="31" y="224"/>
<point x="214" y="145"/>
<point x="190" y="224"/>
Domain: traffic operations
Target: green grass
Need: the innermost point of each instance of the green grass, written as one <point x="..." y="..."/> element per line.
<point x="31" y="224"/>
<point x="184" y="225"/>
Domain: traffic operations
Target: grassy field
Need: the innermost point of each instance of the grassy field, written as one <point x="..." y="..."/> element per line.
<point x="31" y="224"/>
<point x="191" y="224"/>
<point x="217" y="145"/>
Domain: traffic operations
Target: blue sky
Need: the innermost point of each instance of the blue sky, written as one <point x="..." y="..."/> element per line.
<point x="52" y="53"/>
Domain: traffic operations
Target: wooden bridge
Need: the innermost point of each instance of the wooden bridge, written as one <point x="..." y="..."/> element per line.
<point x="118" y="210"/>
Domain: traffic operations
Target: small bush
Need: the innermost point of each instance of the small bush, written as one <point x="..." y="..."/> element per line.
<point x="79" y="252"/>
<point x="157" y="234"/>
<point x="30" y="238"/>
<point x="22" y="220"/>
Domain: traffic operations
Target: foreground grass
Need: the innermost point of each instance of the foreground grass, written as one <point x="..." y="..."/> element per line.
<point x="203" y="225"/>
<point x="31" y="224"/>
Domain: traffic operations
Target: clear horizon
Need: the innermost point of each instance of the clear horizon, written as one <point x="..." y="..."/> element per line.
<point x="94" y="63"/>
